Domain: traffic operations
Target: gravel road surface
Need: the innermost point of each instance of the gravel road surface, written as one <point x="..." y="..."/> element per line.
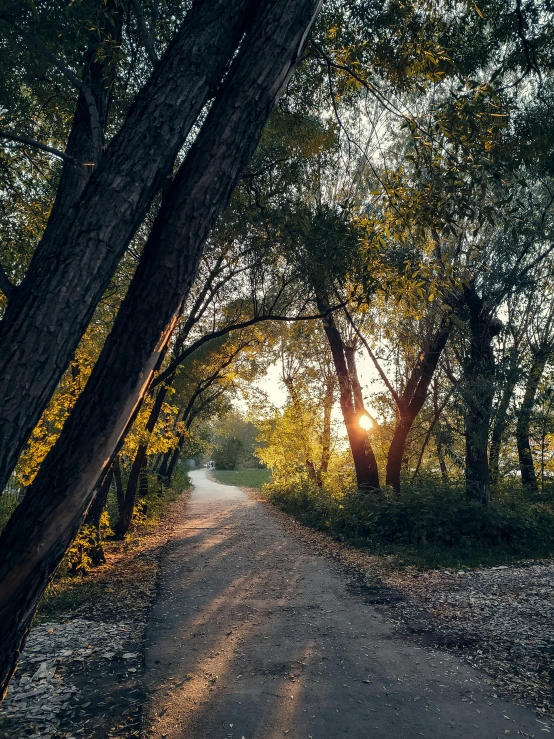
<point x="255" y="636"/>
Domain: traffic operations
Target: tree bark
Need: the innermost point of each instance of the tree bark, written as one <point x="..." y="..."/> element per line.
<point x="41" y="528"/>
<point x="175" y="455"/>
<point x="501" y="419"/>
<point x="162" y="469"/>
<point x="412" y="400"/>
<point x="96" y="551"/>
<point x="120" y="494"/>
<point x="478" y="394"/>
<point x="78" y="254"/>
<point x="523" y="430"/>
<point x="84" y="143"/>
<point x="365" y="464"/>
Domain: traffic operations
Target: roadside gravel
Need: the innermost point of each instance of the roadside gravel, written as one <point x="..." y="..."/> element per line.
<point x="499" y="619"/>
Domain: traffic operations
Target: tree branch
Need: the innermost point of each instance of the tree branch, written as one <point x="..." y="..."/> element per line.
<point x="6" y="285"/>
<point x="37" y="145"/>
<point x="222" y="332"/>
<point x="75" y="81"/>
<point x="146" y="36"/>
<point x="374" y="359"/>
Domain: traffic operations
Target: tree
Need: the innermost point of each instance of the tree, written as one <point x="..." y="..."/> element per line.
<point x="54" y="303"/>
<point x="62" y="490"/>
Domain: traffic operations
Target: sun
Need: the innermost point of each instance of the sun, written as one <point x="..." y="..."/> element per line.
<point x="365" y="422"/>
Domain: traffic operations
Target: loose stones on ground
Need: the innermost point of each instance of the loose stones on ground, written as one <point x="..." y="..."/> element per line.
<point x="501" y="618"/>
<point x="42" y="690"/>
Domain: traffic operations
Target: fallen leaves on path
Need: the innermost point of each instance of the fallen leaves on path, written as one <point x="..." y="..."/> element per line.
<point x="80" y="674"/>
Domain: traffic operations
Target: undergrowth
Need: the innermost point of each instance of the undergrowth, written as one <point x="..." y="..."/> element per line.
<point x="70" y="588"/>
<point x="428" y="524"/>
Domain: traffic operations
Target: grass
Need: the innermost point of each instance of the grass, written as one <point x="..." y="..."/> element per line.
<point x="250" y="478"/>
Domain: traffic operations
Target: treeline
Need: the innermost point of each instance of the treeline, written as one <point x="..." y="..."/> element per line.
<point x="165" y="221"/>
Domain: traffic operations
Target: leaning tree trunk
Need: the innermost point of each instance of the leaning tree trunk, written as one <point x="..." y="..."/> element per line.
<point x="162" y="469"/>
<point x="72" y="266"/>
<point x="365" y="464"/>
<point x="44" y="524"/>
<point x="526" y="465"/>
<point x="174" y="458"/>
<point x="412" y="400"/>
<point x="94" y="516"/>
<point x="119" y="492"/>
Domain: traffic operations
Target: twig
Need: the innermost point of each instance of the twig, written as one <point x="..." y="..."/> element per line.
<point x="374" y="359"/>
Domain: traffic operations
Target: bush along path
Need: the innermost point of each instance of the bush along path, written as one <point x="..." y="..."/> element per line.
<point x="256" y="634"/>
<point x="80" y="674"/>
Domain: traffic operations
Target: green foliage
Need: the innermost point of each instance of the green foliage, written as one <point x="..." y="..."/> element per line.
<point x="427" y="519"/>
<point x="234" y="448"/>
<point x="79" y="558"/>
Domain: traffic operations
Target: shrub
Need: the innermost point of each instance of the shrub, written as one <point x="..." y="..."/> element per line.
<point x="427" y="515"/>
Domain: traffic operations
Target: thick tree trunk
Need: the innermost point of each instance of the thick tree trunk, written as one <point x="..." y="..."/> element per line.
<point x="478" y="394"/>
<point x="75" y="261"/>
<point x="41" y="528"/>
<point x="365" y="464"/>
<point x="501" y="420"/>
<point x="397" y="448"/>
<point x="412" y="401"/>
<point x="526" y="465"/>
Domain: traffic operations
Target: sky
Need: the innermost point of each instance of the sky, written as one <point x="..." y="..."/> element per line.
<point x="272" y="385"/>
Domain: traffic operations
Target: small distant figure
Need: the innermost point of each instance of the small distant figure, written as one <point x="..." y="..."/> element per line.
<point x="210" y="465"/>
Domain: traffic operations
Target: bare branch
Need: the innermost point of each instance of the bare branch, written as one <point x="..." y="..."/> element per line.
<point x="374" y="359"/>
<point x="146" y="35"/>
<point x="37" y="145"/>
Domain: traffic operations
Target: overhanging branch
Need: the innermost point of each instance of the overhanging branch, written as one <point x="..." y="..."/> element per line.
<point x="37" y="145"/>
<point x="223" y="332"/>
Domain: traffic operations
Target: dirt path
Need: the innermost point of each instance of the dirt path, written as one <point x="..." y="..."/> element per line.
<point x="255" y="637"/>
